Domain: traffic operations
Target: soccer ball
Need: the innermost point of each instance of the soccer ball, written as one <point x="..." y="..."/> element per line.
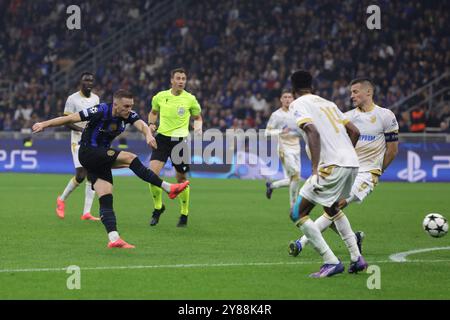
<point x="435" y="225"/>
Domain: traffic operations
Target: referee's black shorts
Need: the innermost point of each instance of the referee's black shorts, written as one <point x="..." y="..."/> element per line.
<point x="164" y="151"/>
<point x="98" y="162"/>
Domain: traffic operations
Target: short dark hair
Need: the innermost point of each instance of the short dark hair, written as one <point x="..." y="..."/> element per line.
<point x="363" y="80"/>
<point x="285" y="91"/>
<point x="179" y="70"/>
<point x="301" y="79"/>
<point x="86" y="73"/>
<point x="122" y="93"/>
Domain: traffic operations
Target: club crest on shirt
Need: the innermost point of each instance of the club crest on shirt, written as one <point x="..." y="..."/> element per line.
<point x="113" y="127"/>
<point x="110" y="152"/>
<point x="181" y="111"/>
<point x="373" y="119"/>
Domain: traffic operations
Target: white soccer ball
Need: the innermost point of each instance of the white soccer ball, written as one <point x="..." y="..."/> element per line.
<point x="435" y="225"/>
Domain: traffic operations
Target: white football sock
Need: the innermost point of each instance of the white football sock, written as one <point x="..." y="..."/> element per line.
<point x="166" y="186"/>
<point x="314" y="235"/>
<point x="113" y="236"/>
<point x="322" y="222"/>
<point x="280" y="183"/>
<point x="72" y="185"/>
<point x="345" y="231"/>
<point x="89" y="195"/>
<point x="294" y="188"/>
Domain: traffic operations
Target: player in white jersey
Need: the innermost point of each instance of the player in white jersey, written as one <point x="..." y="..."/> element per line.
<point x="282" y="124"/>
<point x="75" y="103"/>
<point x="377" y="147"/>
<point x="330" y="139"/>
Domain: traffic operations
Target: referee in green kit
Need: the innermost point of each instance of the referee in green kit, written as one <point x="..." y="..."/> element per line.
<point x="174" y="107"/>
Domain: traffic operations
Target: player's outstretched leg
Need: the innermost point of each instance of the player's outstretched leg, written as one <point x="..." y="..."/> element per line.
<point x="148" y="175"/>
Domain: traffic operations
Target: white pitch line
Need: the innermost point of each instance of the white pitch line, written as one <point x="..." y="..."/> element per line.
<point x="401" y="256"/>
<point x="202" y="265"/>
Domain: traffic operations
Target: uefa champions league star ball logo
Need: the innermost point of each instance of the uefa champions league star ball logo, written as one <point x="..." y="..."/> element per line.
<point x="181" y="111"/>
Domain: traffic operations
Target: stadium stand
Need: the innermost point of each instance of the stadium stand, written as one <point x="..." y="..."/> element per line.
<point x="239" y="55"/>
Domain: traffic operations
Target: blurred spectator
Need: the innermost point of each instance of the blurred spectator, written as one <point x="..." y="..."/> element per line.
<point x="445" y="128"/>
<point x="433" y="120"/>
<point x="418" y="120"/>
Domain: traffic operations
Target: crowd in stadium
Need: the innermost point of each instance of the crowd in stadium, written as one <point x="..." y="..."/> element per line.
<point x="238" y="54"/>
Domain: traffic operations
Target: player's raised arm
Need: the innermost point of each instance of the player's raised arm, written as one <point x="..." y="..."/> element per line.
<point x="56" y="122"/>
<point x="353" y="132"/>
<point x="146" y="131"/>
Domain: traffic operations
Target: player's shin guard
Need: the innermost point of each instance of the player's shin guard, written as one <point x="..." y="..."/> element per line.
<point x="107" y="213"/>
<point x="345" y="231"/>
<point x="184" y="201"/>
<point x="156" y="195"/>
<point x="145" y="173"/>
<point x="322" y="222"/>
<point x="89" y="195"/>
<point x="316" y="239"/>
<point x="72" y="185"/>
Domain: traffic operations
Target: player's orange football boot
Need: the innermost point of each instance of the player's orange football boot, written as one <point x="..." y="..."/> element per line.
<point x="120" y="244"/>
<point x="177" y="188"/>
<point x="60" y="208"/>
<point x="89" y="216"/>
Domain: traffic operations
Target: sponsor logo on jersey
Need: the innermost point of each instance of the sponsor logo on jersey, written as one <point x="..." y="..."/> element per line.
<point x="366" y="137"/>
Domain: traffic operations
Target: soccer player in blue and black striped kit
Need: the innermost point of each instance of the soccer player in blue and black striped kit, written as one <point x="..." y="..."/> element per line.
<point x="105" y="122"/>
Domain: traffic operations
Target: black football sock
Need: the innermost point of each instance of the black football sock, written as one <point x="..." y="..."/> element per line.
<point x="145" y="173"/>
<point x="107" y="213"/>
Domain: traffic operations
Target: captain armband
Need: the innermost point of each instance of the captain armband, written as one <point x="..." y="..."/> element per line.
<point x="391" y="136"/>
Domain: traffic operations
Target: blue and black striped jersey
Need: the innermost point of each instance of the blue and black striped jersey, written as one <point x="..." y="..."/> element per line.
<point x="102" y="127"/>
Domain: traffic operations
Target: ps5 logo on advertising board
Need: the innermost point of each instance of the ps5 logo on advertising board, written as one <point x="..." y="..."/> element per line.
<point x="26" y="159"/>
<point x="412" y="173"/>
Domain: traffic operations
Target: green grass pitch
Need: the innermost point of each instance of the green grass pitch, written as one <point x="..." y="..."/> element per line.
<point x="235" y="245"/>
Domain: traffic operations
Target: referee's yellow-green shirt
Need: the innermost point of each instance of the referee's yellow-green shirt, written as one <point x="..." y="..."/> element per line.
<point x="175" y="112"/>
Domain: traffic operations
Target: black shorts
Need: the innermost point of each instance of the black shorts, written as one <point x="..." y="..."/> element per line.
<point x="164" y="151"/>
<point x="98" y="162"/>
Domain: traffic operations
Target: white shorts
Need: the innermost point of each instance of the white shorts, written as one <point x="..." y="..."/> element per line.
<point x="364" y="184"/>
<point x="75" y="147"/>
<point x="336" y="182"/>
<point x="290" y="162"/>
